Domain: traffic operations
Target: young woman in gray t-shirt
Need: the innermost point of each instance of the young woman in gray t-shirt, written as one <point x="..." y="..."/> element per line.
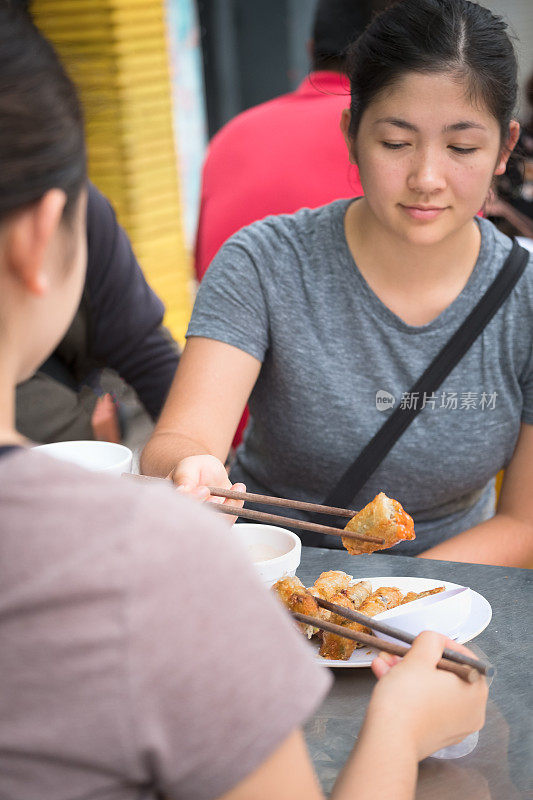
<point x="324" y="319"/>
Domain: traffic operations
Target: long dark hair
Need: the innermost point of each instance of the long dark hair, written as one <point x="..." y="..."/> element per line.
<point x="426" y="36"/>
<point x="41" y="127"/>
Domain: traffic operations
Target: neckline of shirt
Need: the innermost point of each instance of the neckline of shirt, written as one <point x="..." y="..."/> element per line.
<point x="458" y="308"/>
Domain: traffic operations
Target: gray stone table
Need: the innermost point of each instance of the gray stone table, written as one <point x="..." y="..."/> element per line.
<point x="500" y="768"/>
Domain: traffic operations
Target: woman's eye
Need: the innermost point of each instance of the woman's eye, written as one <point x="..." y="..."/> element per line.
<point x="394" y="145"/>
<point x="463" y="150"/>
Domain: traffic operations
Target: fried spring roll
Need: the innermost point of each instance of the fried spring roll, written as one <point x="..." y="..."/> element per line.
<point x="329" y="583"/>
<point x="383" y="518"/>
<point x="304" y="604"/>
<point x="358" y="592"/>
<point x="390" y="595"/>
<point x="381" y="600"/>
<point x="295" y="597"/>
<point x="340" y="599"/>
<point x="410" y="596"/>
<point x="323" y="613"/>
<point x="285" y="587"/>
<point x="337" y="647"/>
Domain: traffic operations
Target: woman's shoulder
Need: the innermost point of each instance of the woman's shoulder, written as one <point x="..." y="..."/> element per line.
<point x="501" y="243"/>
<point x="277" y="248"/>
<point x="495" y="249"/>
<point x="287" y="230"/>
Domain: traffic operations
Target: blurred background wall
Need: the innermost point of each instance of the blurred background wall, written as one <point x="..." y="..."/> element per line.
<point x="253" y="50"/>
<point x="188" y="97"/>
<point x="519" y="16"/>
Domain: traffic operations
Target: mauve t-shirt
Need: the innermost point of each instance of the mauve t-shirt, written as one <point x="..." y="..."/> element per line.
<point x="139" y="654"/>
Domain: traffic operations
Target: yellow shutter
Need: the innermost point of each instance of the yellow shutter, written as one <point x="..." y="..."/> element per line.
<point x="116" y="52"/>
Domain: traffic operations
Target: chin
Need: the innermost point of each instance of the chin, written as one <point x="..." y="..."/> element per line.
<point x="426" y="234"/>
<point x="425" y="238"/>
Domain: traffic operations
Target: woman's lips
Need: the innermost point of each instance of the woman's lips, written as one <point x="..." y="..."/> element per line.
<point x="418" y="212"/>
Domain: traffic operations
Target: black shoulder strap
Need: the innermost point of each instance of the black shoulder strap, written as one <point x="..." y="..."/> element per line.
<point x="373" y="454"/>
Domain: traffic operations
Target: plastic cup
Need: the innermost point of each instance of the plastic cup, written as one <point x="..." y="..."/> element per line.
<point x="460" y="749"/>
<point x="469" y="743"/>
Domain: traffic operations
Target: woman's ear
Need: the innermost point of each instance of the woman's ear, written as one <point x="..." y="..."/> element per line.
<point x="30" y="233"/>
<point x="346" y="118"/>
<point x="508" y="147"/>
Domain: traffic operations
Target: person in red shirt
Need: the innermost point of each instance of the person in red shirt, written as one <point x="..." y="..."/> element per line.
<point x="288" y="153"/>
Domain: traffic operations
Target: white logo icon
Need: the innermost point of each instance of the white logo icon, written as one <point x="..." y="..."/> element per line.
<point x="384" y="400"/>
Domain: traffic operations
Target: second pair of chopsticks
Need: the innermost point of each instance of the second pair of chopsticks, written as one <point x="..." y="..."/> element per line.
<point x="403" y="636"/>
<point x="275" y="519"/>
<point x="466" y="662"/>
<point x="467" y="673"/>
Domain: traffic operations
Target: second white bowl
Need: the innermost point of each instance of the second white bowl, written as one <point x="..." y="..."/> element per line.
<point x="276" y="552"/>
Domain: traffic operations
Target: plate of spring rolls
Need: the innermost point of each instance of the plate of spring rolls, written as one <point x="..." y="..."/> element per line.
<point x="370" y="596"/>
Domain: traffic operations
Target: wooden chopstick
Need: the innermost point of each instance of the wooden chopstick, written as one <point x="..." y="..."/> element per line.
<point x="468" y="674"/>
<point x="396" y="633"/>
<point x="268" y="500"/>
<point x="275" y="519"/>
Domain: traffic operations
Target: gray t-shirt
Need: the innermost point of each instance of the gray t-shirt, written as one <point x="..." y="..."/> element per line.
<point x="140" y="657"/>
<point x="335" y="360"/>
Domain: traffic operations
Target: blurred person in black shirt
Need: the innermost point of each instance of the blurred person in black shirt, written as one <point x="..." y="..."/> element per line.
<point x="118" y="325"/>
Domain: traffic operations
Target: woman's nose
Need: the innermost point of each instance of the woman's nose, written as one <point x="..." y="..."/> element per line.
<point x="426" y="174"/>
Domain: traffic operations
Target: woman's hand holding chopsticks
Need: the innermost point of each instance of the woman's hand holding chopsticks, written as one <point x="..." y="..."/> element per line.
<point x="433" y="708"/>
<point x="194" y="474"/>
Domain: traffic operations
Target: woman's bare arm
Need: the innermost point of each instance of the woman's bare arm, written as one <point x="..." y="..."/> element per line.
<point x="507" y="538"/>
<point x="208" y="395"/>
<point x="379" y="767"/>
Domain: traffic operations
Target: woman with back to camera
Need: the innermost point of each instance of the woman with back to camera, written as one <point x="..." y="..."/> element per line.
<point x="117" y="676"/>
<point x="315" y="315"/>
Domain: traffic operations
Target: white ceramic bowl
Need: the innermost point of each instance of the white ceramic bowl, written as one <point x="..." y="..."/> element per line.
<point x="276" y="552"/>
<point x="96" y="456"/>
<point x="444" y="612"/>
